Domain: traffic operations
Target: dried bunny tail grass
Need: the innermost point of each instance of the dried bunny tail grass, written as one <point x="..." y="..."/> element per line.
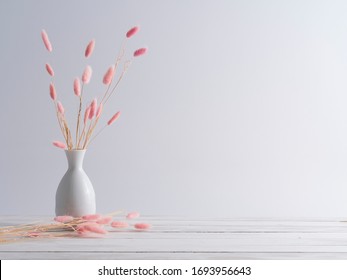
<point x="49" y="70"/>
<point x="140" y="52"/>
<point x="132" y="31"/>
<point x="133" y="215"/>
<point x="105" y="220"/>
<point x="77" y="87"/>
<point x="118" y="224"/>
<point x="60" y="107"/>
<point x="86" y="114"/>
<point x="63" y="219"/>
<point x="89" y="49"/>
<point x="46" y="41"/>
<point x="93" y="107"/>
<point x="142" y="226"/>
<point x="52" y="91"/>
<point x="59" y="144"/>
<point x="95" y="229"/>
<point x="87" y="74"/>
<point x="91" y="217"/>
<point x="99" y="110"/>
<point x="90" y="227"/>
<point x="114" y="118"/>
<point x="108" y="75"/>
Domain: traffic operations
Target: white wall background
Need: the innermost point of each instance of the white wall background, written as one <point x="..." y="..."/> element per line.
<point x="239" y="109"/>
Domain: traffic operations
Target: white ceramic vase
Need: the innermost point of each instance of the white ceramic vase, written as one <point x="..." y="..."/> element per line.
<point x="75" y="194"/>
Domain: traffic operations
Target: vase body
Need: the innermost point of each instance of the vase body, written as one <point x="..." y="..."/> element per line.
<point x="75" y="194"/>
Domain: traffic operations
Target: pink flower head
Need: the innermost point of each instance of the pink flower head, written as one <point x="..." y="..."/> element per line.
<point x="118" y="224"/>
<point x="108" y="75"/>
<point x="60" y="107"/>
<point x="95" y="229"/>
<point x="142" y="226"/>
<point x="63" y="219"/>
<point x="86" y="114"/>
<point x="49" y="69"/>
<point x="77" y="87"/>
<point x="114" y="118"/>
<point x="93" y="107"/>
<point x="133" y="215"/>
<point x="104" y="220"/>
<point x="99" y="111"/>
<point x="59" y="144"/>
<point x="92" y="227"/>
<point x="140" y="52"/>
<point x="52" y="91"/>
<point x="87" y="74"/>
<point x="46" y="41"/>
<point x="89" y="49"/>
<point x="91" y="217"/>
<point x="132" y="31"/>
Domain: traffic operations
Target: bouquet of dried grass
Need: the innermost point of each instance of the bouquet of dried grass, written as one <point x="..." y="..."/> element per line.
<point x="92" y="111"/>
<point x="94" y="225"/>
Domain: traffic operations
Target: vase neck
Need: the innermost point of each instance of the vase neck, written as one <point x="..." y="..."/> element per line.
<point x="75" y="158"/>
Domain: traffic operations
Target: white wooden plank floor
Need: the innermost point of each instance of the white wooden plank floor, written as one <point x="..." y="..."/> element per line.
<point x="182" y="238"/>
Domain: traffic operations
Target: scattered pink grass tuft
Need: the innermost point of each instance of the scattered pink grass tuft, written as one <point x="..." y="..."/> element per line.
<point x="59" y="144"/>
<point x="118" y="224"/>
<point x="49" y="70"/>
<point x="133" y="215"/>
<point x="46" y="41"/>
<point x="132" y="31"/>
<point x="77" y="87"/>
<point x="141" y="51"/>
<point x="60" y="107"/>
<point x="90" y="48"/>
<point x="108" y="75"/>
<point x="91" y="217"/>
<point x="63" y="219"/>
<point x="104" y="220"/>
<point x="52" y="91"/>
<point x="87" y="74"/>
<point x="90" y="227"/>
<point x="114" y="118"/>
<point x="142" y="226"/>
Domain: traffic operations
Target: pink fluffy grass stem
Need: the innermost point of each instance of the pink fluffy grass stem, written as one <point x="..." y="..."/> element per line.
<point x="142" y="226"/>
<point x="132" y="32"/>
<point x="104" y="220"/>
<point x="46" y="40"/>
<point x="52" y="91"/>
<point x="59" y="144"/>
<point x="133" y="215"/>
<point x="119" y="224"/>
<point x="118" y="60"/>
<point x="125" y="68"/>
<point x="89" y="49"/>
<point x="49" y="70"/>
<point x="77" y="87"/>
<point x="108" y="77"/>
<point x="91" y="217"/>
<point x="140" y="52"/>
<point x="60" y="107"/>
<point x="87" y="74"/>
<point x="113" y="119"/>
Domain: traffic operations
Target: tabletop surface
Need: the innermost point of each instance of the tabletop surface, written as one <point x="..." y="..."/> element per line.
<point x="184" y="238"/>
